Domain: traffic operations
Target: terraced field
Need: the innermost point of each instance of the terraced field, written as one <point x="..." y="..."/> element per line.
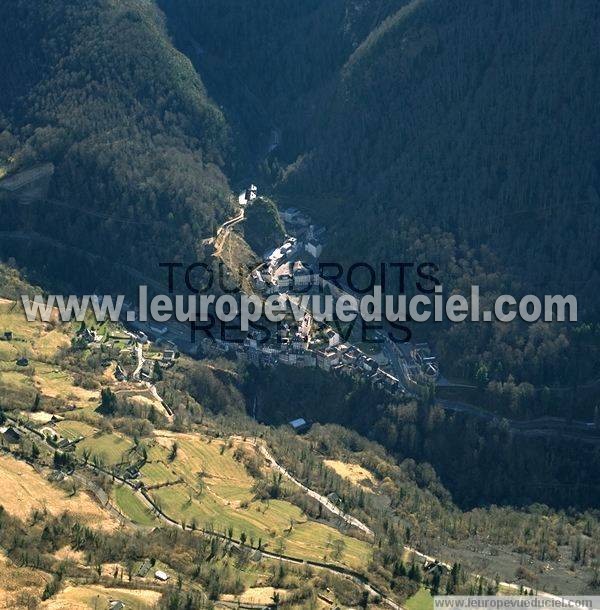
<point x="269" y="522"/>
<point x="110" y="448"/>
<point x="216" y="492"/>
<point x="212" y="463"/>
<point x="132" y="507"/>
<point x="193" y="478"/>
<point x="200" y="481"/>
<point x="158" y="473"/>
<point x="16" y="388"/>
<point x="72" y="429"/>
<point x="53" y="382"/>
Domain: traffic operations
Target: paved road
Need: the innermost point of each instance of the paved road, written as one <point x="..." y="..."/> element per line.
<point x="356" y="577"/>
<point x="325" y="502"/>
<point x="352" y="521"/>
<point x="231" y="222"/>
<point x="224" y="229"/>
<point x="151" y="387"/>
<point x="140" y="361"/>
<point x="180" y="334"/>
<point x="585" y="432"/>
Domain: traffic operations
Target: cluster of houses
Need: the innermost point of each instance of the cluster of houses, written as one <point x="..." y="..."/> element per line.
<point x="144" y="569"/>
<point x="424" y="357"/>
<point x="10" y="438"/>
<point x="55" y="439"/>
<point x="294" y="276"/>
<point x="279" y="255"/>
<point x="296" y="344"/>
<point x="87" y="336"/>
<point x="164" y="361"/>
<point x="282" y="268"/>
<point x="285" y="277"/>
<point x="43" y="424"/>
<point x="422" y="367"/>
<point x="299" y="225"/>
<point x="348" y="359"/>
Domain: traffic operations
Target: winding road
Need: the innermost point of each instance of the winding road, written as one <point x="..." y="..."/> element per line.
<point x="325" y="502"/>
<point x="356" y="577"/>
<point x="144" y="497"/>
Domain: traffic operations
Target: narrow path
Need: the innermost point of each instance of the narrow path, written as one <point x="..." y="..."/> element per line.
<point x="325" y="502"/>
<point x="151" y="387"/>
<point x="224" y="230"/>
<point x="348" y="573"/>
<point x="140" y="361"/>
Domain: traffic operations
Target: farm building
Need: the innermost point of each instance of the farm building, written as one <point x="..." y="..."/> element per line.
<point x="160" y="575"/>
<point x="9" y="437"/>
<point x="299" y="424"/>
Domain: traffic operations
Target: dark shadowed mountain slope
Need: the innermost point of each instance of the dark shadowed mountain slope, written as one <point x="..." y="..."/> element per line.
<point x="270" y="63"/>
<point x="461" y="133"/>
<point x="98" y="89"/>
<point x="479" y="118"/>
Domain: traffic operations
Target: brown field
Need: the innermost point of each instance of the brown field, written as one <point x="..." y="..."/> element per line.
<point x="39" y="342"/>
<point x="144" y="398"/>
<point x="18" y="583"/>
<point x="73" y="428"/>
<point x="109" y="372"/>
<point x="68" y="554"/>
<point x="53" y="382"/>
<point x="225" y="477"/>
<point x="95" y="596"/>
<point x="49" y="343"/>
<point x="256" y="595"/>
<point x="39" y="417"/>
<point x="352" y="472"/>
<point x="24" y="490"/>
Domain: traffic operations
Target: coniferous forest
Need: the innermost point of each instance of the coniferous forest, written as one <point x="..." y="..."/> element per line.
<point x="464" y="133"/>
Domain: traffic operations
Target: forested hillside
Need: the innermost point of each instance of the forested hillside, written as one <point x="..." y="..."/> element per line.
<point x="478" y="118"/>
<point x="475" y="118"/>
<point x="263" y="226"/>
<point x="452" y="132"/>
<point x="270" y="63"/>
<point x="98" y="89"/>
<point x="478" y="461"/>
<point x="471" y="118"/>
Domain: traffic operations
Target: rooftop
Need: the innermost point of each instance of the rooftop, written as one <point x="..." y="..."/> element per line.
<point x="298" y="423"/>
